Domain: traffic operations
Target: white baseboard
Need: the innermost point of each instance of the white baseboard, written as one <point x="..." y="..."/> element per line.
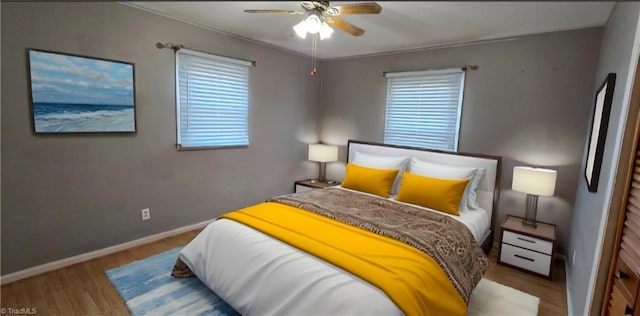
<point x="23" y="274"/>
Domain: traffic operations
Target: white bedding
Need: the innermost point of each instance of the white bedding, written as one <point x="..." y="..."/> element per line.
<point x="259" y="275"/>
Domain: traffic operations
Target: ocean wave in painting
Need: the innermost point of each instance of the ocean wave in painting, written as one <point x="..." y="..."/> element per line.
<point x="61" y="118"/>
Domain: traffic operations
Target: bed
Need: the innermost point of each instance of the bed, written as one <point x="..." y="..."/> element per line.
<point x="266" y="259"/>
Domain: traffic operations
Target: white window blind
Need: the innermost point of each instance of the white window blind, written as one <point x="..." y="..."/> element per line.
<point x="212" y="100"/>
<point x="423" y="108"/>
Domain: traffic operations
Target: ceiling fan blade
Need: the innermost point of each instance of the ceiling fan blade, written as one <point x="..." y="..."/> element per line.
<point x="358" y="8"/>
<point x="275" y="11"/>
<point x="344" y="25"/>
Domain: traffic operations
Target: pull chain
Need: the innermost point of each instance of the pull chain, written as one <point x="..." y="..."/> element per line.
<point x="314" y="45"/>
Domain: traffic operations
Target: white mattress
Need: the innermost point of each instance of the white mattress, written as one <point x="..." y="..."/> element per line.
<point x="260" y="275"/>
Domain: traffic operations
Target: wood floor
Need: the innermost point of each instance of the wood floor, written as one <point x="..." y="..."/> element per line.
<point x="83" y="289"/>
<point x="552" y="294"/>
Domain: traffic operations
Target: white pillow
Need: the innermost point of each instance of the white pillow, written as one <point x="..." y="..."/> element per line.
<point x="382" y="162"/>
<point x="473" y="194"/>
<point x="436" y="170"/>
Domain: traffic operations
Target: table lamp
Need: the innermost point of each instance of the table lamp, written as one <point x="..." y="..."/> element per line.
<point x="323" y="154"/>
<point x="533" y="182"/>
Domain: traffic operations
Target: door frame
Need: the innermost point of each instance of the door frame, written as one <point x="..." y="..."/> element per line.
<point x="617" y="208"/>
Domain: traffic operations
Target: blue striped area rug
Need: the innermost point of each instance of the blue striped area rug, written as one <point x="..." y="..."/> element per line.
<point x="148" y="288"/>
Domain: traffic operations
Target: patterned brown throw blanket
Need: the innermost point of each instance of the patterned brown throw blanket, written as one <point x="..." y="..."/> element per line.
<point x="445" y="239"/>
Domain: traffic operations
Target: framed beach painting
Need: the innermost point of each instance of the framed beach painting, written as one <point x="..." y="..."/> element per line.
<point x="598" y="133"/>
<point x="78" y="94"/>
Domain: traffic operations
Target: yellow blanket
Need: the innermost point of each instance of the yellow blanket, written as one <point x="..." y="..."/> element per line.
<point x="409" y="277"/>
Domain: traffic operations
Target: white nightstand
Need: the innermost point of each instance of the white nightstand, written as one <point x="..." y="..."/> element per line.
<point x="306" y="185"/>
<point x="527" y="247"/>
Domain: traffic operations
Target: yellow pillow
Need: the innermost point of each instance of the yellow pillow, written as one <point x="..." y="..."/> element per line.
<point x="370" y="180"/>
<point x="439" y="194"/>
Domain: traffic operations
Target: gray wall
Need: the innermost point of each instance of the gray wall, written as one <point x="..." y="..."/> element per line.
<point x="528" y="102"/>
<point x="65" y="195"/>
<point x="591" y="209"/>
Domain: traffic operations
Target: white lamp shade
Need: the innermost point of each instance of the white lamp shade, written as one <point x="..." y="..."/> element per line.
<point x="535" y="181"/>
<point x="313" y="24"/>
<point x="323" y="153"/>
<point x="325" y="31"/>
<point x="301" y="29"/>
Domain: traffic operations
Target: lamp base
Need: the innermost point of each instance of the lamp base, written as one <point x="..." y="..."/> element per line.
<point x="529" y="223"/>
<point x="530" y="213"/>
<point x="321" y="176"/>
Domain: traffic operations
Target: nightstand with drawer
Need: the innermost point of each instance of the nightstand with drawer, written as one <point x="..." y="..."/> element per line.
<point x="527" y="247"/>
<point x="306" y="185"/>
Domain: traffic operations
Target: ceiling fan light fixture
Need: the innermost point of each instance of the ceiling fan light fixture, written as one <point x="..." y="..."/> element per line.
<point x="325" y="31"/>
<point x="301" y="29"/>
<point x="313" y="24"/>
<point x="319" y="16"/>
<point x="319" y="12"/>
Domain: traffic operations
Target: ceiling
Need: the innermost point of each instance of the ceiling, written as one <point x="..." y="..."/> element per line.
<point x="400" y="26"/>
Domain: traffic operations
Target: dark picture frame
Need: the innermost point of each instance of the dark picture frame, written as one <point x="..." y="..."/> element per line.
<point x="71" y="93"/>
<point x="598" y="132"/>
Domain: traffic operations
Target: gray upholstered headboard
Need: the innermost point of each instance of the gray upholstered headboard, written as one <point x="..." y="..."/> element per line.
<point x="488" y="188"/>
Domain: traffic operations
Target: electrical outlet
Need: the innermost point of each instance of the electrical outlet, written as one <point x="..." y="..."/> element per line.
<point x="146" y="214"/>
<point x="573" y="259"/>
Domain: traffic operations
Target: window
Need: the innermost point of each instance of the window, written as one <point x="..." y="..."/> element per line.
<point x="211" y="100"/>
<point x="423" y="108"/>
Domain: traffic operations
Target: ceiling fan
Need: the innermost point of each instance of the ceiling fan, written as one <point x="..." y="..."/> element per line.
<point x="320" y="15"/>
